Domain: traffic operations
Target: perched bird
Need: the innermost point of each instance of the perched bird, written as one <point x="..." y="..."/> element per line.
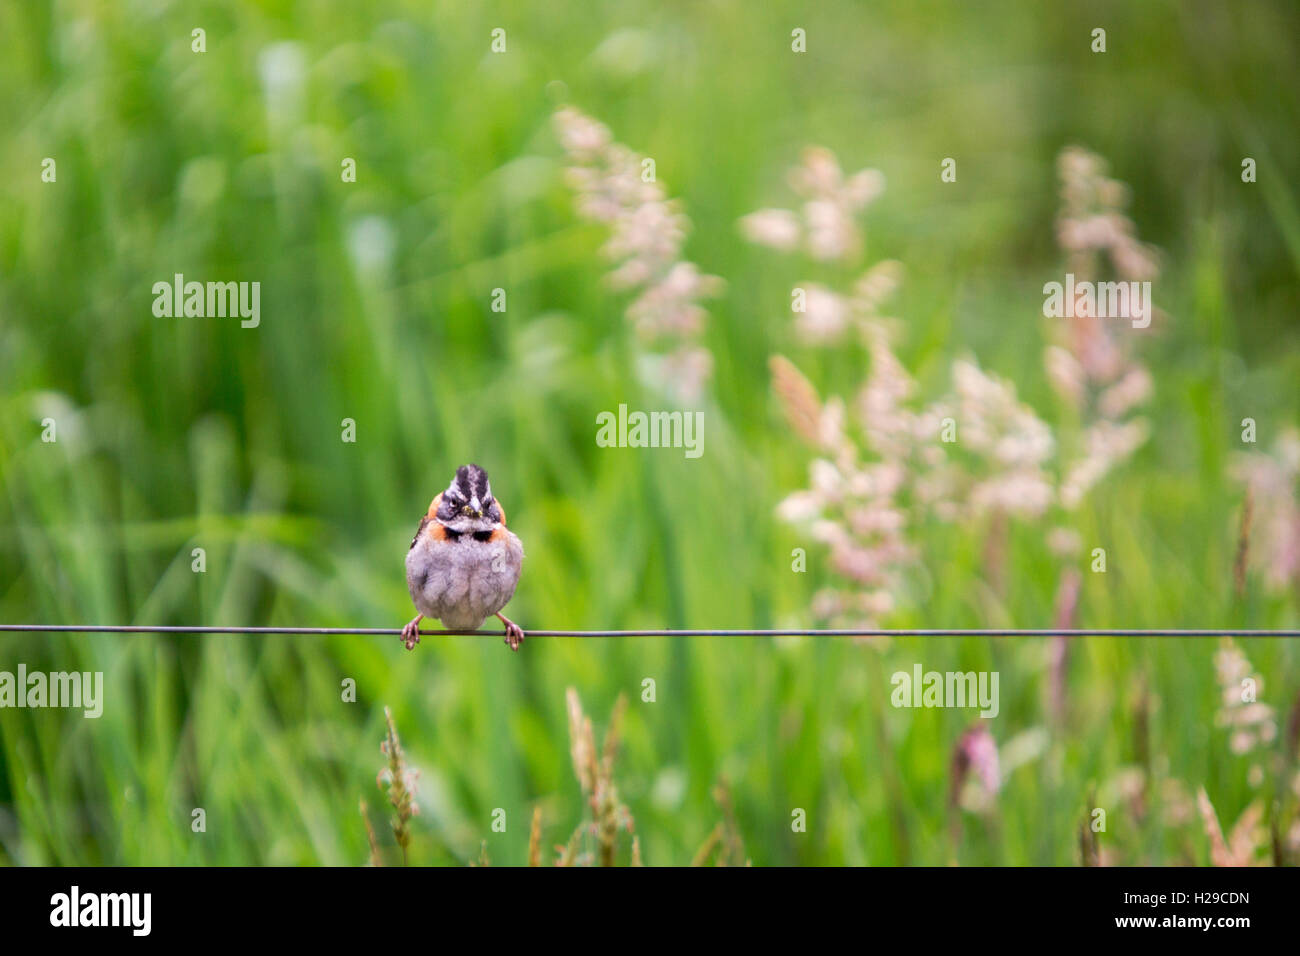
<point x="464" y="563"/>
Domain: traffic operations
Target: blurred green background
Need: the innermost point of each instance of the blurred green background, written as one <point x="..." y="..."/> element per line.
<point x="184" y="433"/>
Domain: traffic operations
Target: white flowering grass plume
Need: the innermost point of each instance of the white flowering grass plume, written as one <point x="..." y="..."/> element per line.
<point x="825" y="224"/>
<point x="1267" y="829"/>
<point x="1251" y="724"/>
<point x="855" y="504"/>
<point x="1091" y="364"/>
<point x="646" y="233"/>
<point x="1270" y="542"/>
<point x="882" y="459"/>
<point x="1090" y="361"/>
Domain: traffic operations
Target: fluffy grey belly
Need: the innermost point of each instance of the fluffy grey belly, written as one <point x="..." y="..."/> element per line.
<point x="462" y="583"/>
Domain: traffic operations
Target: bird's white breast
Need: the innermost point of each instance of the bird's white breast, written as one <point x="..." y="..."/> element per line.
<point x="463" y="582"/>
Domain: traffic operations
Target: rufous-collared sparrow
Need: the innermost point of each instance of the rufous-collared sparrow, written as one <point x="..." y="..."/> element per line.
<point x="464" y="563"/>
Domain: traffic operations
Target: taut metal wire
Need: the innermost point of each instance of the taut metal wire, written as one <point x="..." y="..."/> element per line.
<point x="664" y="632"/>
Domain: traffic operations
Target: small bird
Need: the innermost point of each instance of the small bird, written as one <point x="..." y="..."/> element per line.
<point x="464" y="563"/>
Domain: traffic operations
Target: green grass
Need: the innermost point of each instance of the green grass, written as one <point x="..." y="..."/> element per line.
<point x="183" y="433"/>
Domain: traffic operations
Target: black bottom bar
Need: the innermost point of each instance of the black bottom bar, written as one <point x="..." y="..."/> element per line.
<point x="368" y="906"/>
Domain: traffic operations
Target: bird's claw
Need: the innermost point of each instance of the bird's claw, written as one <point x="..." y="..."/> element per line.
<point x="514" y="633"/>
<point x="411" y="633"/>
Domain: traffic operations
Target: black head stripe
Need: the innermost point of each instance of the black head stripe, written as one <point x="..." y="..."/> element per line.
<point x="472" y="482"/>
<point x="470" y="486"/>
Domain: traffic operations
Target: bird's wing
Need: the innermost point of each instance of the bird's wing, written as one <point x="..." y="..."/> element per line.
<point x="420" y="530"/>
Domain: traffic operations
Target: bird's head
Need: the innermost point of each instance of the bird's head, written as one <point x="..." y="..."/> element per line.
<point x="467" y="505"/>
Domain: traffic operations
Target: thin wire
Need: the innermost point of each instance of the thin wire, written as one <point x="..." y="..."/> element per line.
<point x="734" y="632"/>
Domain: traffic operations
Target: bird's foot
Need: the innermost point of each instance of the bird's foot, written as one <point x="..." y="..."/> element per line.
<point x="411" y="633"/>
<point x="514" y="633"/>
